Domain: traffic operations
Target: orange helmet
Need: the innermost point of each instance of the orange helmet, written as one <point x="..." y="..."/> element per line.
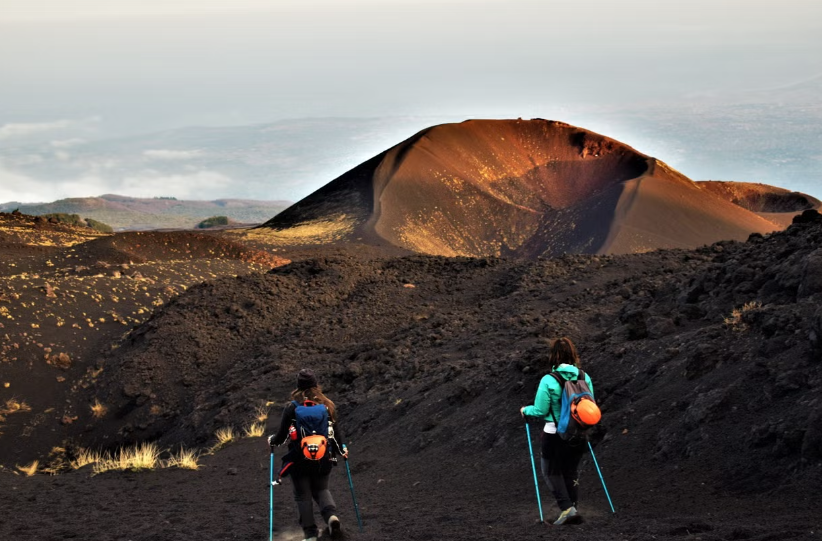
<point x="586" y="412"/>
<point x="314" y="446"/>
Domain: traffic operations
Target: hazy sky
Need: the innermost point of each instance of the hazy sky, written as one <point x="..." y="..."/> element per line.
<point x="98" y="68"/>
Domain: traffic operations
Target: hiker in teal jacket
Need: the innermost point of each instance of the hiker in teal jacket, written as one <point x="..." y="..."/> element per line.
<point x="560" y="459"/>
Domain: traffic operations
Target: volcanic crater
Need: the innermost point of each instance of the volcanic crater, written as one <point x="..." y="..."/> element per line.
<point x="521" y="188"/>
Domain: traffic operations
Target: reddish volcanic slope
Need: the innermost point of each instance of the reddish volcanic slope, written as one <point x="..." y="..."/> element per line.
<point x="524" y="188"/>
<point x="777" y="205"/>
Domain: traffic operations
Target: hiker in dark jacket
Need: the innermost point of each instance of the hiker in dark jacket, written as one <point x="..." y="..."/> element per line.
<point x="310" y="478"/>
<point x="560" y="459"/>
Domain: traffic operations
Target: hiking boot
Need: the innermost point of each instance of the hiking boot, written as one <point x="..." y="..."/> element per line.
<point x="334" y="526"/>
<point x="566" y="516"/>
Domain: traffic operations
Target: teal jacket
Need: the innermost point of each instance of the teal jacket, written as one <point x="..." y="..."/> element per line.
<point x="549" y="394"/>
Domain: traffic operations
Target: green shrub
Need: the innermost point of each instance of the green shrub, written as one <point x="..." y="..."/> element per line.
<point x="76" y="220"/>
<point x="99" y="226"/>
<point x="69" y="219"/>
<point x="213" y="221"/>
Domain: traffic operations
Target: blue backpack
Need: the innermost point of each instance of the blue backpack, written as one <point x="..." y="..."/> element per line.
<point x="311" y="429"/>
<point x="579" y="410"/>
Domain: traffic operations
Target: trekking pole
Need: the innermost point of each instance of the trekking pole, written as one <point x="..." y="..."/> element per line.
<point x="601" y="478"/>
<point x="353" y="497"/>
<point x="271" y="498"/>
<point x="534" y="469"/>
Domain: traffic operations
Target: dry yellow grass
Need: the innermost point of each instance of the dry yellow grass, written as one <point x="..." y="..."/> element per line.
<point x="98" y="410"/>
<point x="86" y="457"/>
<point x="735" y="320"/>
<point x="333" y="228"/>
<point x="261" y="413"/>
<point x="255" y="430"/>
<point x="12" y="405"/>
<point x="143" y="456"/>
<point x="186" y="459"/>
<point x="31" y="469"/>
<point x="224" y="436"/>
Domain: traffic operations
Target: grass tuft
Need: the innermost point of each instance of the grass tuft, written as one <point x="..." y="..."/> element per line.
<point x="143" y="456"/>
<point x="186" y="459"/>
<point x="98" y="410"/>
<point x="735" y="321"/>
<point x="224" y="436"/>
<point x="86" y="457"/>
<point x="31" y="469"/>
<point x="12" y="405"/>
<point x="261" y="413"/>
<point x="255" y="430"/>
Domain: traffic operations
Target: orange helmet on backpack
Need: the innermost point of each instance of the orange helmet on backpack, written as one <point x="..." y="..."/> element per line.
<point x="586" y="412"/>
<point x="314" y="447"/>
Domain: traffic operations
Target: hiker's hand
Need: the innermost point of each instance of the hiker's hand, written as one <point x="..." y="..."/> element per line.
<point x="271" y="440"/>
<point x="345" y="452"/>
<point x="522" y="411"/>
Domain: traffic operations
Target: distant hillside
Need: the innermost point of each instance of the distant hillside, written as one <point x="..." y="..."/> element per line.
<point x="157" y="213"/>
<point x="770" y="202"/>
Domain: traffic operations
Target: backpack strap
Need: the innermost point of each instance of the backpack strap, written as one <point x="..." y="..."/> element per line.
<point x="581" y="374"/>
<point x="561" y="382"/>
<point x="307" y="403"/>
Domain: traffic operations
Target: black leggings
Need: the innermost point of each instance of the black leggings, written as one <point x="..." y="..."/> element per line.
<point x="560" y="469"/>
<point x="306" y="489"/>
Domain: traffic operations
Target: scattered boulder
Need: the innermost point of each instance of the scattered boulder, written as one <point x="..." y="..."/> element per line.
<point x="702" y="360"/>
<point x="49" y="290"/>
<point x="61" y="360"/>
<point x="660" y="326"/>
<point x="811" y="278"/>
<point x="636" y="327"/>
<point x="809" y="216"/>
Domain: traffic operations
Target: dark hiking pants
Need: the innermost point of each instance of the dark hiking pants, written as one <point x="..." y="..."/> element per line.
<point x="560" y="468"/>
<point x="309" y="489"/>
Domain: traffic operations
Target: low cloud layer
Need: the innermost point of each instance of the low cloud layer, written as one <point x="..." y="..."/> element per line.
<point x="26" y="129"/>
<point x="198" y="184"/>
<point x="163" y="154"/>
<point x="67" y="143"/>
<point x="66" y="129"/>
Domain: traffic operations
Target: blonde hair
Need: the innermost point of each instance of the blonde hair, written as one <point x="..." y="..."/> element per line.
<point x="315" y="394"/>
<point x="563" y="352"/>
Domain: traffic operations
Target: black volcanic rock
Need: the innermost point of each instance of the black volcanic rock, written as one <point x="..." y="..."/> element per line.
<point x="683" y="358"/>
